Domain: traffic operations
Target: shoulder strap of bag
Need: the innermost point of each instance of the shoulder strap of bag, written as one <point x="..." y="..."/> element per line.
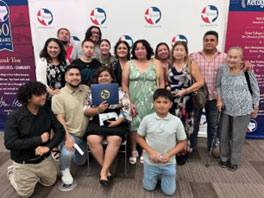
<point x="157" y="71"/>
<point x="189" y="66"/>
<point x="248" y="82"/>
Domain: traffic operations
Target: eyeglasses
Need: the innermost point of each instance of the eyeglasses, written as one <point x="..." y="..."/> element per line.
<point x="93" y="32"/>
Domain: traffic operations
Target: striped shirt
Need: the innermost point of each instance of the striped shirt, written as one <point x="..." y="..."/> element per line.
<point x="209" y="69"/>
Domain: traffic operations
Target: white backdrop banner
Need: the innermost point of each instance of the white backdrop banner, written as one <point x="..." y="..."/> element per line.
<point x="153" y="20"/>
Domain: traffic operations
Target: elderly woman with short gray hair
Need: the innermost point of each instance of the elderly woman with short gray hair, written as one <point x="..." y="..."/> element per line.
<point x="237" y="105"/>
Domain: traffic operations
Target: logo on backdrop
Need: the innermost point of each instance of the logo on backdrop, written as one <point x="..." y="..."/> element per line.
<point x="45" y="17"/>
<point x="179" y="37"/>
<point x="126" y="38"/>
<point x="153" y="15"/>
<point x="98" y="16"/>
<point x="252" y="126"/>
<point x="209" y="14"/>
<point x="75" y="38"/>
<point x="5" y="28"/>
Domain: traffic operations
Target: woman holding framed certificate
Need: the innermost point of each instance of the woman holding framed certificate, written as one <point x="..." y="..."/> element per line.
<point x="107" y="121"/>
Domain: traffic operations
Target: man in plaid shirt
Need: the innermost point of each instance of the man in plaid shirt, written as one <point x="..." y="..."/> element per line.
<point x="209" y="61"/>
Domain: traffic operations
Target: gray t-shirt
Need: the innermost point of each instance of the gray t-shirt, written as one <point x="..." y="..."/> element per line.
<point x="234" y="92"/>
<point x="161" y="134"/>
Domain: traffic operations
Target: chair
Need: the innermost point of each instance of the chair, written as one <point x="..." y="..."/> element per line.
<point x="124" y="150"/>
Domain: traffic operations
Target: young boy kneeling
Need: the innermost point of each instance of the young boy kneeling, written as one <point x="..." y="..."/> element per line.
<point x="162" y="135"/>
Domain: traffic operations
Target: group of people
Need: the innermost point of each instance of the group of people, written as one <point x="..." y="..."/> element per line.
<point x="155" y="108"/>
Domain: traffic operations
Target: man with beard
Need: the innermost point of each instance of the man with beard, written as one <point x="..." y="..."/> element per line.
<point x="68" y="107"/>
<point x="72" y="48"/>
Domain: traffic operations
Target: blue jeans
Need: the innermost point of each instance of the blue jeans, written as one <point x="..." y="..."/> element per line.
<point x="211" y="113"/>
<point x="66" y="156"/>
<point x="168" y="177"/>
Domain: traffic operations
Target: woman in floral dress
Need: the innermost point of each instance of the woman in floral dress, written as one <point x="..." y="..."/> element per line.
<point x="181" y="84"/>
<point x="141" y="77"/>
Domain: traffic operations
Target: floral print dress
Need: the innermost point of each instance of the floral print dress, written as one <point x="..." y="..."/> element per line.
<point x="55" y="76"/>
<point x="182" y="106"/>
<point x="142" y="86"/>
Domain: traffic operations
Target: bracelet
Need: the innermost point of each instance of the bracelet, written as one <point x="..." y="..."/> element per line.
<point x="167" y="86"/>
<point x="97" y="110"/>
<point x="187" y="91"/>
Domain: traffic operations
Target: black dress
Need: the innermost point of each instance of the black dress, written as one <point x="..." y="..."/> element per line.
<point x="123" y="108"/>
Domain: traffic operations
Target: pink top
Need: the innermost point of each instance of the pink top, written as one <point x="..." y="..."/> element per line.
<point x="209" y="69"/>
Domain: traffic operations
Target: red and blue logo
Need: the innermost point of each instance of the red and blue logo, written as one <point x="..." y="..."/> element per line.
<point x="209" y="14"/>
<point x="45" y="17"/>
<point x="98" y="16"/>
<point x="252" y="126"/>
<point x="153" y="15"/>
<point x="126" y="38"/>
<point x="75" y="38"/>
<point x="179" y="37"/>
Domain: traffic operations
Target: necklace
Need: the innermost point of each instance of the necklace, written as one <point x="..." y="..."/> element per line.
<point x="179" y="67"/>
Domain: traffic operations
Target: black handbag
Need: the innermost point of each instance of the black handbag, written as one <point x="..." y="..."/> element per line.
<point x="199" y="97"/>
<point x="181" y="158"/>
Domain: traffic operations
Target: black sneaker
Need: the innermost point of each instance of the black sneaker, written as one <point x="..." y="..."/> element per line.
<point x="223" y="164"/>
<point x="232" y="167"/>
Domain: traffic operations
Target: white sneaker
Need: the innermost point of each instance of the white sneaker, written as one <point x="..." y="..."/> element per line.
<point x="10" y="172"/>
<point x="66" y="177"/>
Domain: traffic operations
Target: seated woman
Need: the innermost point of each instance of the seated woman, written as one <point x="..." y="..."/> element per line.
<point x="114" y="133"/>
<point x="237" y="105"/>
<point x="27" y="136"/>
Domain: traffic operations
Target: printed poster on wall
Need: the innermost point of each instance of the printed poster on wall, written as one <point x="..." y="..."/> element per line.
<point x="16" y="53"/>
<point x="246" y="29"/>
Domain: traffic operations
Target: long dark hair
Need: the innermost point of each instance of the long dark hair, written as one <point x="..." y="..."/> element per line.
<point x="88" y="33"/>
<point x="126" y="44"/>
<point x="62" y="54"/>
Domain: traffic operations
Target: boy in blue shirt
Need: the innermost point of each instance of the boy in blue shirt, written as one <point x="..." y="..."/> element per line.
<point x="162" y="136"/>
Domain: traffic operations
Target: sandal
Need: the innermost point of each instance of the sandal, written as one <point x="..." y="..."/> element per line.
<point x="55" y="153"/>
<point x="133" y="160"/>
<point x="142" y="157"/>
